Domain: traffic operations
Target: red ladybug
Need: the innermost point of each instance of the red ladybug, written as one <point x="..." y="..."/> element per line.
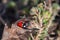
<point x="23" y="24"/>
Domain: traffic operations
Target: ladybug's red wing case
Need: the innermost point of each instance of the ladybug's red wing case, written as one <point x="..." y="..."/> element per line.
<point x="20" y="24"/>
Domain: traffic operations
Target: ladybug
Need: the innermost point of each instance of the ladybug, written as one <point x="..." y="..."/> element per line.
<point x="23" y="24"/>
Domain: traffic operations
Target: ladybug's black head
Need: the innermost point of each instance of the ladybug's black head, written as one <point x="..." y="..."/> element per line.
<point x="25" y="25"/>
